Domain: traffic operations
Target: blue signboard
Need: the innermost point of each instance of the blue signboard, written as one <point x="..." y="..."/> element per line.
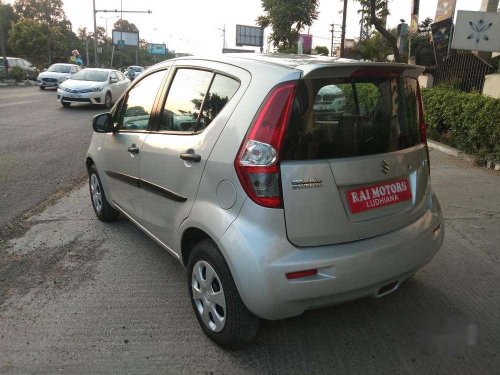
<point x="157" y="49"/>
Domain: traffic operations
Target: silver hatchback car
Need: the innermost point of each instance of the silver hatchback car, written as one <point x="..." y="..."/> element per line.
<point x="273" y="200"/>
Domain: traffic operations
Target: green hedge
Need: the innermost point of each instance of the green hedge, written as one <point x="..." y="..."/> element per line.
<point x="467" y="121"/>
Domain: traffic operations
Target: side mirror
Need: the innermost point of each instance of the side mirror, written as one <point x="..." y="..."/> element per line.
<point x="113" y="80"/>
<point x="44" y="69"/>
<point x="103" y="123"/>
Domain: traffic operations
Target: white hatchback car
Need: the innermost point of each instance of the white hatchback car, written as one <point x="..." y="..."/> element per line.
<point x="272" y="211"/>
<point x="94" y="86"/>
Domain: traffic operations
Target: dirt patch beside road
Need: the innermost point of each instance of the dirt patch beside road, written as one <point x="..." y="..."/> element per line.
<point x="58" y="251"/>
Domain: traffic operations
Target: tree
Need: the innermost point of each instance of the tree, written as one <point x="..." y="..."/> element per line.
<point x="50" y="15"/>
<point x="49" y="12"/>
<point x="378" y="10"/>
<point x="124" y="25"/>
<point x="376" y="47"/>
<point x="322" y="50"/>
<point x="425" y="26"/>
<point x="287" y="18"/>
<point x="422" y="49"/>
<point x="29" y="39"/>
<point x="7" y="16"/>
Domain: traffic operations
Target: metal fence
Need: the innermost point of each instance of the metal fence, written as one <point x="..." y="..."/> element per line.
<point x="465" y="71"/>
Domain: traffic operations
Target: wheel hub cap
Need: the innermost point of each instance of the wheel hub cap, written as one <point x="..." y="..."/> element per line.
<point x="95" y="191"/>
<point x="208" y="296"/>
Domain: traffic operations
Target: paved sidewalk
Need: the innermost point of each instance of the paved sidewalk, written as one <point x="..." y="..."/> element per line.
<point x="81" y="296"/>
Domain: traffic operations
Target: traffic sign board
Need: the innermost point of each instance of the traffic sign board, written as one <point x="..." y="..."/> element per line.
<point x="157" y="49"/>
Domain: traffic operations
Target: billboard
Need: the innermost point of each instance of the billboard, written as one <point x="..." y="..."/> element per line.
<point x="477" y="31"/>
<point x="157" y="49"/>
<point x="445" y="9"/>
<point x="441" y="35"/>
<point x="249" y="36"/>
<point x="123" y="38"/>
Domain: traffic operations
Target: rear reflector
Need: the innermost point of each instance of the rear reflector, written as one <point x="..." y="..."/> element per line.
<point x="300" y="274"/>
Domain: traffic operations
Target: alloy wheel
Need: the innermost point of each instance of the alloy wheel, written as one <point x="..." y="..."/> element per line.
<point x="95" y="190"/>
<point x="107" y="100"/>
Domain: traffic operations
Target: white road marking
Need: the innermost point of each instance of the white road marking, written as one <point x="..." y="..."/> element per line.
<point x="15" y="103"/>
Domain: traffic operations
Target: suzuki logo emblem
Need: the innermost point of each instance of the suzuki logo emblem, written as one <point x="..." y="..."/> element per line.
<point x="385" y="167"/>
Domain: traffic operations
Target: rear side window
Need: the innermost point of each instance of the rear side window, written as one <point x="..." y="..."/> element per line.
<point x="221" y="91"/>
<point x="346" y="117"/>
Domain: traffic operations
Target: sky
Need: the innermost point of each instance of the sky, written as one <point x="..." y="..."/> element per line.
<point x="195" y="26"/>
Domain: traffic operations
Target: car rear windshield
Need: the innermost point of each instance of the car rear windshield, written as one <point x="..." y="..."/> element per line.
<point x="346" y="117"/>
<point x="59" y="68"/>
<point x="91" y="75"/>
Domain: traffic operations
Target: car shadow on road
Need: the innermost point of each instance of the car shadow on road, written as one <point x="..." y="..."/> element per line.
<point x="414" y="330"/>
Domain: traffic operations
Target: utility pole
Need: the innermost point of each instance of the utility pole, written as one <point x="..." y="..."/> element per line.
<point x="95" y="38"/>
<point x="333" y="34"/>
<point x="4" y="51"/>
<point x="87" y="49"/>
<point x="223" y="37"/>
<point x="121" y="11"/>
<point x="342" y="39"/>
<point x="487" y="6"/>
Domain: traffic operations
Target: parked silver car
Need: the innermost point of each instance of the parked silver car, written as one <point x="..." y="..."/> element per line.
<point x="30" y="71"/>
<point x="273" y="207"/>
<point x="56" y="74"/>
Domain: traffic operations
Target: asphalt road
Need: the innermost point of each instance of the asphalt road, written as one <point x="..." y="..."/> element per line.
<point x="42" y="147"/>
<point x="79" y="296"/>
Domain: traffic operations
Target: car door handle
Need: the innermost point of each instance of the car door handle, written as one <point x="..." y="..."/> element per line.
<point x="133" y="149"/>
<point x="190" y="157"/>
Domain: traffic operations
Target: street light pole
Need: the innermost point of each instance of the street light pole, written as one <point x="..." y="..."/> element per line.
<point x="95" y="37"/>
<point x="342" y="39"/>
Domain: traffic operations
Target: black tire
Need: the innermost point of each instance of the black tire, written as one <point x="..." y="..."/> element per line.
<point x="66" y="104"/>
<point x="42" y="87"/>
<point x="108" y="100"/>
<point x="105" y="212"/>
<point x="241" y="326"/>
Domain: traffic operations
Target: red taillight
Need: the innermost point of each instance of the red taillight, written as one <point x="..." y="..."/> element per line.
<point x="421" y="119"/>
<point x="423" y="126"/>
<point x="257" y="161"/>
<point x="300" y="274"/>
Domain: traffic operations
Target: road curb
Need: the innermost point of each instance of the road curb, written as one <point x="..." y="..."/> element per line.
<point x="460" y="154"/>
<point x="451" y="151"/>
<point x="25" y="83"/>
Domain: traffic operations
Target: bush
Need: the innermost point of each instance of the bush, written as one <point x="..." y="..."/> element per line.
<point x="467" y="121"/>
<point x="17" y="73"/>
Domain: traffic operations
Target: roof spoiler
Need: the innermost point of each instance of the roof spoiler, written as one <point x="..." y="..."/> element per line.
<point x="362" y="70"/>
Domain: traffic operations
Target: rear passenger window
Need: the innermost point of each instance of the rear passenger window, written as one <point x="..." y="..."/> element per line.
<point x="221" y="91"/>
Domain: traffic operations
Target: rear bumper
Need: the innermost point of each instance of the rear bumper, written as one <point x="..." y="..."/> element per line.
<point x="259" y="260"/>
